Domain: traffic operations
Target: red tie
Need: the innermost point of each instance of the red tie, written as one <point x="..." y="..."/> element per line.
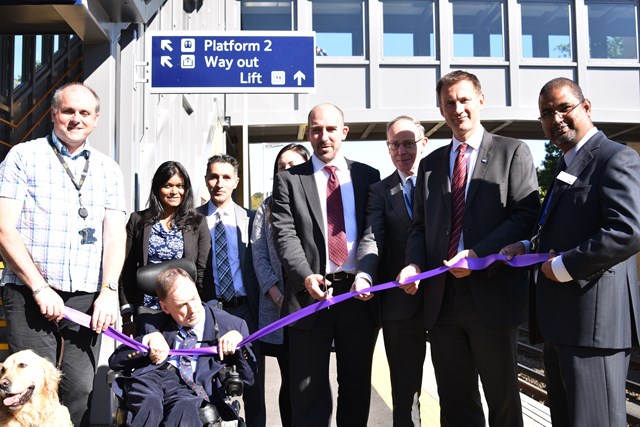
<point x="337" y="237"/>
<point x="458" y="185"/>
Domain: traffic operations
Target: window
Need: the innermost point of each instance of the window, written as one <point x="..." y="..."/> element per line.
<point x="612" y="29"/>
<point x="408" y="28"/>
<point x="265" y="15"/>
<point x="339" y="27"/>
<point x="477" y="29"/>
<point x="546" y="29"/>
<point x="39" y="54"/>
<point x="19" y="75"/>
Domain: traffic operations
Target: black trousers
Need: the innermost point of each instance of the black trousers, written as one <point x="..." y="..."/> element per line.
<point x="586" y="385"/>
<point x="350" y="327"/>
<point x="463" y="347"/>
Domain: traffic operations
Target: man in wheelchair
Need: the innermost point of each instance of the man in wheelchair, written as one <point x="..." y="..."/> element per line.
<point x="159" y="389"/>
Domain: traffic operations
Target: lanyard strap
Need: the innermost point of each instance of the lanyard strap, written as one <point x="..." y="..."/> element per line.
<point x="64" y="164"/>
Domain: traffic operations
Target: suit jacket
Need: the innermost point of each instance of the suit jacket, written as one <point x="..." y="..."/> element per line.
<point x="300" y="230"/>
<point x="127" y="359"/>
<point x="595" y="222"/>
<point x="244" y="221"/>
<point x="388" y="224"/>
<point x="197" y="247"/>
<point x="501" y="205"/>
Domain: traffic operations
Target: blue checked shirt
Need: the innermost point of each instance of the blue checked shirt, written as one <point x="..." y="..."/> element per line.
<point x="49" y="222"/>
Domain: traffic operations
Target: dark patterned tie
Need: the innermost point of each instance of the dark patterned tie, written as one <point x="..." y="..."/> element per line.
<point x="185" y="368"/>
<point x="227" y="291"/>
<point x="458" y="186"/>
<point x="337" y="236"/>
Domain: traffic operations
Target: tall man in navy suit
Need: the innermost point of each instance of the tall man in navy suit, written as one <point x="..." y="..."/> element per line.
<point x="241" y="299"/>
<point x="156" y="392"/>
<point x="472" y="317"/>
<point x="587" y="297"/>
<point x="304" y="211"/>
<point x="389" y="212"/>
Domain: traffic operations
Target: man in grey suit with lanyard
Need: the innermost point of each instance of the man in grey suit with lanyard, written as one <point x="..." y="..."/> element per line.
<point x="472" y="197"/>
<point x="587" y="302"/>
<point x="319" y="217"/>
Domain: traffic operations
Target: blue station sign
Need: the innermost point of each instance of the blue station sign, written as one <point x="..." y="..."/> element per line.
<point x="237" y="62"/>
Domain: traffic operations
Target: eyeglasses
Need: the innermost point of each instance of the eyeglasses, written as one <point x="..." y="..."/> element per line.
<point x="562" y="112"/>
<point x="407" y="145"/>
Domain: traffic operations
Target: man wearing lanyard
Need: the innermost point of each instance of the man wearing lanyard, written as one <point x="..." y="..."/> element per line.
<point x="319" y="217"/>
<point x="236" y="286"/>
<point x="587" y="302"/>
<point x="62" y="237"/>
<point x="472" y="197"/>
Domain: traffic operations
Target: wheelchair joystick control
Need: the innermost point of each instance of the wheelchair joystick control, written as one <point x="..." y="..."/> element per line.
<point x="230" y="379"/>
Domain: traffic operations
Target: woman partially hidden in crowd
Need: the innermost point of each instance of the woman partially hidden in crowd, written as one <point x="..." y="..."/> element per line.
<point x="168" y="229"/>
<point x="269" y="273"/>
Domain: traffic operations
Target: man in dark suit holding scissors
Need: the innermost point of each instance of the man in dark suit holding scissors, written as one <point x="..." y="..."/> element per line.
<point x="319" y="218"/>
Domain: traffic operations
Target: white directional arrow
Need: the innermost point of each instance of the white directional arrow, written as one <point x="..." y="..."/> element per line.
<point x="165" y="61"/>
<point x="166" y="45"/>
<point x="299" y="76"/>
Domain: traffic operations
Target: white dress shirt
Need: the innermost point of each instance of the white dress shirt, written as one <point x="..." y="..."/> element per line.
<point x="349" y="207"/>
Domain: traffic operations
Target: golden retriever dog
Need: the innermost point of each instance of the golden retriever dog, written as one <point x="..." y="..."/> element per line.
<point x="29" y="392"/>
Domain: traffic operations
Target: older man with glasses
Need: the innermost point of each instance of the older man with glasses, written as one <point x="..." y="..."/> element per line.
<point x="389" y="213"/>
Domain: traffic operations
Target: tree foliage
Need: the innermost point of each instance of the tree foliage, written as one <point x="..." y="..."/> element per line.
<point x="547" y="171"/>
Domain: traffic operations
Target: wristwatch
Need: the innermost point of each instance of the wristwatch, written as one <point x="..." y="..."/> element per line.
<point x="113" y="286"/>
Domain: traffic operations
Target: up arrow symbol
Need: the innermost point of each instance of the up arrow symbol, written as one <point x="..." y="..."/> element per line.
<point x="299" y="76"/>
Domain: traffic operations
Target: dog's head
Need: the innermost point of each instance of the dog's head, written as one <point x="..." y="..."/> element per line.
<point x="24" y="374"/>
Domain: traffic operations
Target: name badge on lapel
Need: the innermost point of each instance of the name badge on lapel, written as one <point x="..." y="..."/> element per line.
<point x="566" y="178"/>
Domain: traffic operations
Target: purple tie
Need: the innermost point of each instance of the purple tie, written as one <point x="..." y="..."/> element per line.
<point x="458" y="186"/>
<point x="337" y="236"/>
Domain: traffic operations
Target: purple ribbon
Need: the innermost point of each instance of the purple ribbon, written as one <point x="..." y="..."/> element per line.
<point x="468" y="263"/>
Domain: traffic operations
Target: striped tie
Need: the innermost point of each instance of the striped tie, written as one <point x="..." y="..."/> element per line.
<point x="185" y="368"/>
<point x="458" y="186"/>
<point x="226" y="289"/>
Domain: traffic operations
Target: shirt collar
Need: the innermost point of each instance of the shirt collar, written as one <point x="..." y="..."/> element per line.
<point x="573" y="152"/>
<point x="223" y="211"/>
<point x="474" y="141"/>
<point x="65" y="151"/>
<point x="404" y="177"/>
<point x="339" y="162"/>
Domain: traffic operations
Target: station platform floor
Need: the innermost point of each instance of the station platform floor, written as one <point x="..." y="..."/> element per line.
<point x="535" y="413"/>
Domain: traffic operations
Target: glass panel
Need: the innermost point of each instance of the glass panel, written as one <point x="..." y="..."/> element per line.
<point x="477" y="29"/>
<point x="612" y="30"/>
<point x="408" y="27"/>
<point x="56" y="43"/>
<point x="546" y="29"/>
<point x="339" y="27"/>
<point x="267" y="15"/>
<point x="18" y="70"/>
<point x="38" y="52"/>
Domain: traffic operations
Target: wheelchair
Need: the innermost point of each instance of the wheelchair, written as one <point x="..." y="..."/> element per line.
<point x="224" y="414"/>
